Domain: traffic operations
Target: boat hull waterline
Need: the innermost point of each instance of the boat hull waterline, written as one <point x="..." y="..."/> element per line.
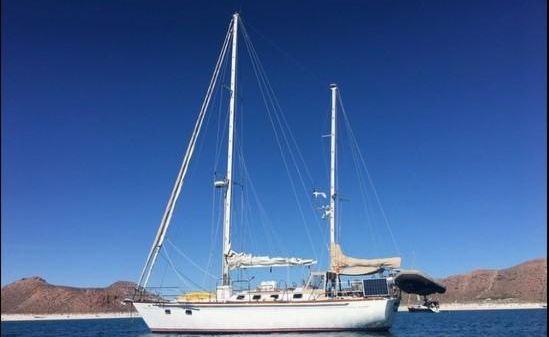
<point x="344" y="315"/>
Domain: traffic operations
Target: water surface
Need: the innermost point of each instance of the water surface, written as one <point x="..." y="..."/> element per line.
<point x="527" y="322"/>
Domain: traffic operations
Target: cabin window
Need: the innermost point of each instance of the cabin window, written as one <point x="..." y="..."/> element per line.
<point x="298" y="296"/>
<point x="188" y="312"/>
<point x="168" y="312"/>
<point x="256" y="297"/>
<point x="240" y="297"/>
<point x="274" y="297"/>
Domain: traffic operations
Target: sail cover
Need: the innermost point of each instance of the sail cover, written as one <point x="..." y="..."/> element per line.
<point x="241" y="260"/>
<point x="345" y="265"/>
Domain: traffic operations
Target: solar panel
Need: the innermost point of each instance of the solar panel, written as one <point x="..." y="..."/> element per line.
<point x="375" y="287"/>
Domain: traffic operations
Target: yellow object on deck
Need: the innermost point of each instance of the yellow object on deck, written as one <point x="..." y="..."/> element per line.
<point x="196" y="296"/>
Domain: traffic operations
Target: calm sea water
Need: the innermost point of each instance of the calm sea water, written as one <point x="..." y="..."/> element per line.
<point x="499" y="323"/>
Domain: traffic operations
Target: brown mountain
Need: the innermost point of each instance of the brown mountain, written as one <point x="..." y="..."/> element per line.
<point x="526" y="282"/>
<point x="34" y="295"/>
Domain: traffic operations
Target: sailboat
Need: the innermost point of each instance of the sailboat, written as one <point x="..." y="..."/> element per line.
<point x="426" y="306"/>
<point x="324" y="303"/>
<point x="416" y="282"/>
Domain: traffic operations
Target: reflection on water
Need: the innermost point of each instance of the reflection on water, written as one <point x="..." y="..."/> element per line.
<point x="316" y="334"/>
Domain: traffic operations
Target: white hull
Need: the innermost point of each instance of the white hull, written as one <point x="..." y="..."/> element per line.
<point x="335" y="315"/>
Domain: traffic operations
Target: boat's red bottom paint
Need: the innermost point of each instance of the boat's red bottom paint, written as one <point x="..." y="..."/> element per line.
<point x="230" y="331"/>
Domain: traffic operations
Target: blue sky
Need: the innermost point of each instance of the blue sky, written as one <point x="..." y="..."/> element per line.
<point x="447" y="100"/>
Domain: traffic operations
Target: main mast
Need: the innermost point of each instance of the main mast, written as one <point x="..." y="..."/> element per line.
<point x="168" y="212"/>
<point x="333" y="148"/>
<point x="230" y="152"/>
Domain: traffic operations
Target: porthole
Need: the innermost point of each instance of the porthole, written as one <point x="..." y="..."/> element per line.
<point x="188" y="312"/>
<point x="168" y="312"/>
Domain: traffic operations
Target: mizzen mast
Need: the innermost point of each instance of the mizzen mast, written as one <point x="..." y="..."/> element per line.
<point x="333" y="163"/>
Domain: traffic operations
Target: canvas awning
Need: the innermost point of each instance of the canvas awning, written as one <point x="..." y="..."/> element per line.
<point x="342" y="264"/>
<point x="416" y="282"/>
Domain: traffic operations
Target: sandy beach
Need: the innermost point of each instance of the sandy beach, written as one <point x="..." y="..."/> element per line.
<point x="484" y="306"/>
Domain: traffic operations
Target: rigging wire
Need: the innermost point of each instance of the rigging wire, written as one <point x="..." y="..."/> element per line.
<point x="363" y="162"/>
<point x="221" y="127"/>
<point x="292" y="159"/>
<point x="181" y="276"/>
<point x="365" y="196"/>
<point x="216" y="233"/>
<point x="217" y="95"/>
<point x="361" y="184"/>
<point x="281" y="50"/>
<point x="220" y="135"/>
<point x="271" y="105"/>
<point x="280" y="117"/>
<point x="168" y="212"/>
<point x="205" y="127"/>
<point x="190" y="260"/>
<point x="263" y="213"/>
<point x="312" y="75"/>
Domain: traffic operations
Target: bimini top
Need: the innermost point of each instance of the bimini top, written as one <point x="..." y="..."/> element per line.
<point x="415" y="282"/>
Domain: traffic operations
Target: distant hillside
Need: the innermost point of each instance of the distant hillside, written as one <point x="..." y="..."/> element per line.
<point x="35" y="296"/>
<point x="526" y="282"/>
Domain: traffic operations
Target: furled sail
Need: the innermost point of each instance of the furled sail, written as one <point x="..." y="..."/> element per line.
<point x="342" y="264"/>
<point x="242" y="260"/>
